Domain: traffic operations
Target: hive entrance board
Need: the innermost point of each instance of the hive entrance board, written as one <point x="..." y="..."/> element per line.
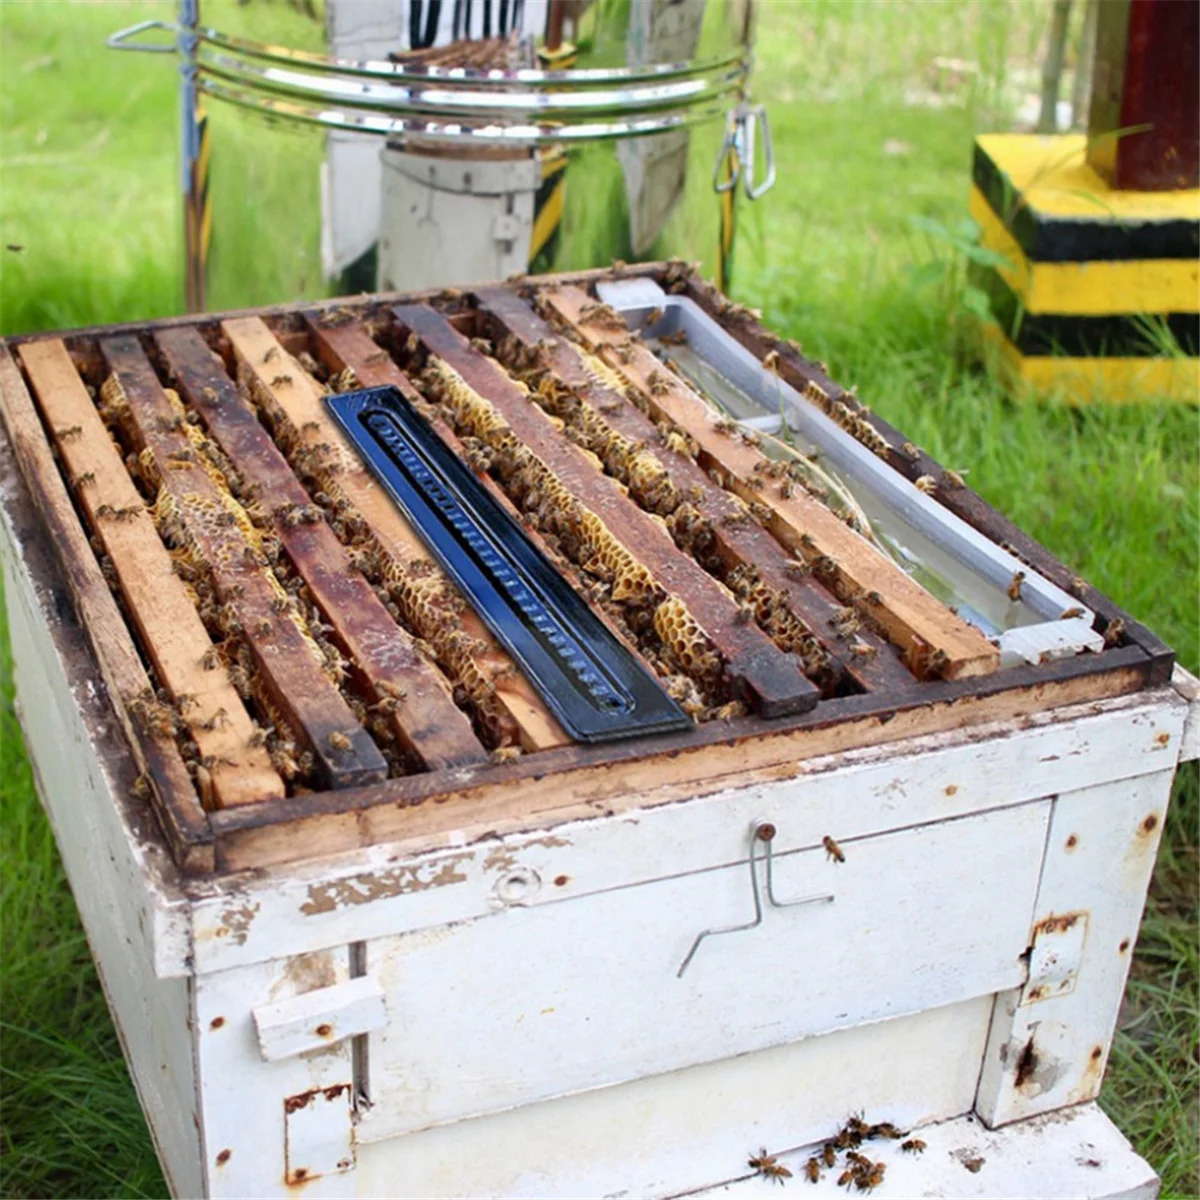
<point x="297" y="673"/>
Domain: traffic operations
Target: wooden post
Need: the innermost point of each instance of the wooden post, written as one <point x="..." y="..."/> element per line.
<point x="1144" y="126"/>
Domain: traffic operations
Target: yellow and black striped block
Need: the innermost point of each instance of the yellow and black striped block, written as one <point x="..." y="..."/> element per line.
<point x="1099" y="297"/>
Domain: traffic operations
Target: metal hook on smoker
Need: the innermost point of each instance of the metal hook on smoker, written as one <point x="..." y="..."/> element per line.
<point x="123" y="38"/>
<point x="761" y="833"/>
<point x="737" y="152"/>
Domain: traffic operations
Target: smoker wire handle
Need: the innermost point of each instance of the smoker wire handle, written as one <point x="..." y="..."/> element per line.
<point x="123" y="37"/>
<point x="750" y="122"/>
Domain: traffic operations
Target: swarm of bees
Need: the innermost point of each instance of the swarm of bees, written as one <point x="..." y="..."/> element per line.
<point x="860" y="1173"/>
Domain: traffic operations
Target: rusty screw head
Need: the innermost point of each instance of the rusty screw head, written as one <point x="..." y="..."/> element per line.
<point x="765" y="831"/>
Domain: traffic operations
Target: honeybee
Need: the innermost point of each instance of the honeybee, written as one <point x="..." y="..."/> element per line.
<point x="769" y="1166"/>
<point x="812" y="1170"/>
<point x="725" y="425"/>
<point x="913" y="1146"/>
<point x="952" y="479"/>
<point x="1014" y="586"/>
<point x="71" y="431"/>
<point x="863" y="650"/>
<point x="271" y="355"/>
<point x="339" y="741"/>
<point x="910" y="451"/>
<point x="834" y="853"/>
<point x="218" y="720"/>
<point x="786" y="488"/>
<point x="926" y="484"/>
<point x="795" y="568"/>
<point x="1114" y="632"/>
<point x="83" y="480"/>
<point x="771" y="362"/>
<point x="504" y="754"/>
<point x="210" y="659"/>
<point x="744" y="614"/>
<point x="845" y="1178"/>
<point x="1068" y="613"/>
<point x="885" y="1129"/>
<point x="829" y="1154"/>
<point x="869" y="1180"/>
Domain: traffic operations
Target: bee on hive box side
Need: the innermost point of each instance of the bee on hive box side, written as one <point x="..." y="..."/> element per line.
<point x="834" y="853"/>
<point x="1014" y="585"/>
<point x="725" y="425"/>
<point x="339" y="741"/>
<point x="771" y="362"/>
<point x="913" y="1146"/>
<point x="1068" y="613"/>
<point x="926" y="484"/>
<point x="504" y="754"/>
<point x="1114" y="632"/>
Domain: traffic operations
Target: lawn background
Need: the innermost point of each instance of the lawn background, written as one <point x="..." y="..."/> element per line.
<point x="857" y="253"/>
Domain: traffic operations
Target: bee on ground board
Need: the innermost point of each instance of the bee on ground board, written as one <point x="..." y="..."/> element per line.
<point x="834" y="853"/>
<point x="769" y="1166"/>
<point x="869" y="1180"/>
<point x="829" y="1154"/>
<point x="846" y="1178"/>
<point x="885" y="1129"/>
<point x="1014" y="586"/>
<point x="913" y="1146"/>
<point x="1068" y="613"/>
<point x="812" y="1170"/>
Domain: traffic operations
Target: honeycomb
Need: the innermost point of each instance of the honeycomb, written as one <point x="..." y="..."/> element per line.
<point x="577" y="531"/>
<point x="416" y="591"/>
<point x="649" y="482"/>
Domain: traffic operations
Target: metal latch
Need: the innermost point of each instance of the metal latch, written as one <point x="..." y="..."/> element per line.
<point x="1054" y="957"/>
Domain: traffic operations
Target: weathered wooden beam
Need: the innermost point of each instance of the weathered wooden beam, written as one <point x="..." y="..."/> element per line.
<point x="770" y="679"/>
<point x="937" y="640"/>
<point x="294" y="399"/>
<point x="421" y="711"/>
<point x="869" y="660"/>
<point x="237" y="766"/>
<point x="288" y="662"/>
<point x="173" y="797"/>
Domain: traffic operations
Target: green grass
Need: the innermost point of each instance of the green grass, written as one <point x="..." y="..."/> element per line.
<point x="833" y="257"/>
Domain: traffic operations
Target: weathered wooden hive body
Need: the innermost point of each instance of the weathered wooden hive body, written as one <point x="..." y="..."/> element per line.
<point x="372" y="923"/>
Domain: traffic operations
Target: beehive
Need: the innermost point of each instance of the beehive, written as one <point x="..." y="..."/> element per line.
<point x="343" y="761"/>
